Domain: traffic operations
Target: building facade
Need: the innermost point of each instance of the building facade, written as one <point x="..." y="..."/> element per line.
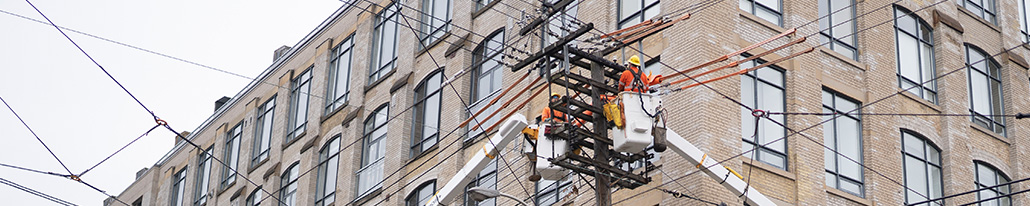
<point x="365" y="110"/>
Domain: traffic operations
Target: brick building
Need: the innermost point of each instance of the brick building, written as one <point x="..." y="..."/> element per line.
<point x="349" y="95"/>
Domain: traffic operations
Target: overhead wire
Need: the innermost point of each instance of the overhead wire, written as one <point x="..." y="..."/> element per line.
<point x="134" y="98"/>
<point x="34" y="135"/>
<point x="35" y="192"/>
<point x="34" y="170"/>
<point x="456" y="93"/>
<point x="119" y="150"/>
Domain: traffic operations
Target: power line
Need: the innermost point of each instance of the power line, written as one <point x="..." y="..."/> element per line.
<point x="1017" y="116"/>
<point x="33" y="170"/>
<point x="34" y="192"/>
<point x="34" y="134"/>
<point x="91" y="59"/>
<point x="120" y="149"/>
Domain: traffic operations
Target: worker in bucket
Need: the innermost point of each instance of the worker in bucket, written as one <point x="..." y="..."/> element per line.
<point x="634" y="80"/>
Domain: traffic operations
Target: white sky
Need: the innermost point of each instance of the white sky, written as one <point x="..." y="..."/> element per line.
<point x="83" y="116"/>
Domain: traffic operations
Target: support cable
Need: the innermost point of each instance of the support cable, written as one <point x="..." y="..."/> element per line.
<point x="93" y="60"/>
<point x="34" y="192"/>
<point x="120" y="149"/>
<point x="34" y="134"/>
<point x="33" y="170"/>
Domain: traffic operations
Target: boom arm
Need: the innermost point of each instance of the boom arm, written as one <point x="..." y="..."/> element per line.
<point x="714" y="169"/>
<point x="510" y="130"/>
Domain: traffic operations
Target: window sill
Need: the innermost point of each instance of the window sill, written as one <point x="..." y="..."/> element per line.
<point x="920" y="100"/>
<point x="224" y="188"/>
<point x="447" y="34"/>
<point x="361" y="200"/>
<point x="254" y="166"/>
<point x="380" y="81"/>
<point x="766" y="167"/>
<point x="849" y="196"/>
<point x="294" y="140"/>
<point x="334" y="112"/>
<point x="760" y="21"/>
<point x="988" y="132"/>
<point x="844" y="59"/>
<point x="422" y="154"/>
<point x="983" y="21"/>
<point x="483" y="10"/>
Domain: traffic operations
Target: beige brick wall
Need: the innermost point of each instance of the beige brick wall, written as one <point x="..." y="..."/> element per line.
<point x="705" y="118"/>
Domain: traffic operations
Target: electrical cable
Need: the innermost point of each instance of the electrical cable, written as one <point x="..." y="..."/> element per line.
<point x="119" y="150"/>
<point x="91" y="59"/>
<point x="34" y="192"/>
<point x="33" y="170"/>
<point x="34" y="134"/>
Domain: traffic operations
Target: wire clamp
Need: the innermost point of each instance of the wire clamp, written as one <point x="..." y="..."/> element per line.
<point x="759" y="113"/>
<point x="75" y="177"/>
<point x="161" y="122"/>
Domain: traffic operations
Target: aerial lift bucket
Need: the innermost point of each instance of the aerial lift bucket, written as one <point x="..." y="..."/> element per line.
<point x="636" y="134"/>
<point x="549" y="148"/>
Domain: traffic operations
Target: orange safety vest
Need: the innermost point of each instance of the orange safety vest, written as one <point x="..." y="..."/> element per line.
<point x="560" y="117"/>
<point x="627" y="81"/>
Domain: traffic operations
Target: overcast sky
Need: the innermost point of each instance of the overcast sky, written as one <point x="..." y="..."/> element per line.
<point x="83" y="116"/>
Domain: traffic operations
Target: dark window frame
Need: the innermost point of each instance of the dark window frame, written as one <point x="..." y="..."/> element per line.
<point x="754" y="77"/>
<point x="413" y="198"/>
<point x="334" y="97"/>
<point x="289" y="178"/>
<point x="996" y="98"/>
<point x="421" y="97"/>
<point x="385" y="18"/>
<point x="923" y="34"/>
<point x="481" y="55"/>
<point x="998" y="176"/>
<point x="296" y="127"/>
<point x="232" y="156"/>
<point x="927" y="146"/>
<point x="262" y="138"/>
<point x="827" y="26"/>
<point x="833" y="108"/>
<point x="328" y="156"/>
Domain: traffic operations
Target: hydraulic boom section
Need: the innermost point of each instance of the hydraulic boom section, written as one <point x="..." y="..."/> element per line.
<point x="510" y="130"/>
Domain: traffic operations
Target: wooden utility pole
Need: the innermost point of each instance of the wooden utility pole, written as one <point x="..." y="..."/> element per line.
<point x="603" y="191"/>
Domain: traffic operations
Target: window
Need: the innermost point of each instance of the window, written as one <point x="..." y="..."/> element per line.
<point x="232" y="154"/>
<point x="436" y="16"/>
<point x="200" y="194"/>
<point x="486" y="79"/>
<point x="763" y="89"/>
<point x="837" y="30"/>
<point x="339" y="75"/>
<point x="988" y="176"/>
<point x="915" y="54"/>
<point x="178" y="188"/>
<point x="480" y="4"/>
<point x="420" y="196"/>
<point x="329" y="161"/>
<point x="844" y="135"/>
<point x="1024" y="27"/>
<point x="487" y="178"/>
<point x="255" y="197"/>
<point x="384" y="43"/>
<point x="263" y="134"/>
<point x="549" y="192"/>
<point x="632" y="12"/>
<point x="288" y="192"/>
<point x="985" y="90"/>
<point x="373" y="150"/>
<point x="299" y="105"/>
<point x="426" y="126"/>
<point x="922" y="163"/>
<point x="765" y="9"/>
<point x="982" y="8"/>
